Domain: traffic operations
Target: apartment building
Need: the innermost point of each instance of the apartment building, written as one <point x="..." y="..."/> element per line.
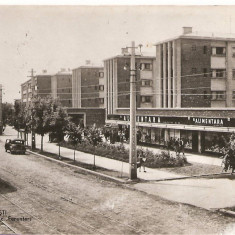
<point x="88" y="87"/>
<point x="193" y="93"/>
<point x="196" y="70"/>
<point x="61" y="87"/>
<point x="37" y="85"/>
<point x="117" y="82"/>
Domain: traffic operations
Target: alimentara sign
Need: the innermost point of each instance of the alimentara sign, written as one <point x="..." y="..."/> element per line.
<point x="208" y="121"/>
<point x="222" y="122"/>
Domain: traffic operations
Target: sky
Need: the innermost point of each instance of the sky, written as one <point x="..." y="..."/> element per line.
<point x="54" y="37"/>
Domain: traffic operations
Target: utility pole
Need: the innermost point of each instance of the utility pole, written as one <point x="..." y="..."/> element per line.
<point x="33" y="141"/>
<point x="132" y="151"/>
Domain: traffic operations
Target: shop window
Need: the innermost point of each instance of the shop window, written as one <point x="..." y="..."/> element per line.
<point x="221" y="51"/>
<point x="146" y="82"/>
<point x="218" y="95"/>
<point x="146" y="99"/>
<point x="101" y="87"/>
<point x="194" y="70"/>
<point x="101" y="74"/>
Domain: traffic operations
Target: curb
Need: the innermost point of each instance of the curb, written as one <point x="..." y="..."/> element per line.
<point x="189" y="177"/>
<point x="100" y="175"/>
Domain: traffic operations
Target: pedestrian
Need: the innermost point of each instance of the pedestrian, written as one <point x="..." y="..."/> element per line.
<point x="177" y="147"/>
<point x="181" y="145"/>
<point x="142" y="160"/>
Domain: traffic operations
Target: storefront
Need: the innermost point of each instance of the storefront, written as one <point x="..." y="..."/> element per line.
<point x="198" y="134"/>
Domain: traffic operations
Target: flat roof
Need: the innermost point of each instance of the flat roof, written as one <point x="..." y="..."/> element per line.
<point x="129" y="56"/>
<point x="201" y="36"/>
<point x="89" y="67"/>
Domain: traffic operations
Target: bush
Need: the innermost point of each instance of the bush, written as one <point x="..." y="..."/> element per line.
<point x="119" y="152"/>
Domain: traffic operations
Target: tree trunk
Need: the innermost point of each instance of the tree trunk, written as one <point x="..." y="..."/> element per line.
<point x="94" y="159"/>
<point x="41" y="143"/>
<point x="59" y="151"/>
<point x="74" y="153"/>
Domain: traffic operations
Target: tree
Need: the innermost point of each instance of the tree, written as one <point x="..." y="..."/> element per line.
<point x="7" y="114"/>
<point x="59" y="123"/>
<point x="40" y="111"/>
<point x="74" y="133"/>
<point x="94" y="137"/>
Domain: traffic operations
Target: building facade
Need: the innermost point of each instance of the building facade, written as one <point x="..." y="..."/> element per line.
<point x="88" y="87"/>
<point x="196" y="71"/>
<point x="117" y="82"/>
<point x="61" y="87"/>
<point x="38" y="85"/>
<point x="193" y="94"/>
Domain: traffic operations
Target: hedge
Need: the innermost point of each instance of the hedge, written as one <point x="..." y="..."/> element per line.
<point x="119" y="152"/>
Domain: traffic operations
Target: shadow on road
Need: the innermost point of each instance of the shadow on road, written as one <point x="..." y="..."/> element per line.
<point x="6" y="187"/>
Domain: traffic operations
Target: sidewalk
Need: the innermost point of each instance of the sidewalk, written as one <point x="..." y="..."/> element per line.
<point x="123" y="167"/>
<point x="111" y="164"/>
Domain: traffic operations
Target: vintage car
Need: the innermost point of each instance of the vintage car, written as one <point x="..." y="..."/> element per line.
<point x="15" y="146"/>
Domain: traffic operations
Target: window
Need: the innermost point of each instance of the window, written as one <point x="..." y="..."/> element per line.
<point x="146" y="99"/>
<point x="205" y="95"/>
<point x="233" y="97"/>
<point x="205" y="72"/>
<point x="101" y="74"/>
<point x="218" y="95"/>
<point x="101" y="87"/>
<point x="233" y="51"/>
<point x="194" y="47"/>
<point x="233" y="73"/>
<point x="69" y="101"/>
<point x="146" y="82"/>
<point x="194" y="70"/>
<point x="146" y="66"/>
<point x="127" y="97"/>
<point x="101" y="100"/>
<point x="218" y="51"/>
<point x="205" y="50"/>
<point x="218" y="73"/>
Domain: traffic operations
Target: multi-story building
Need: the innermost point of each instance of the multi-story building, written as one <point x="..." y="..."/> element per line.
<point x="117" y="82"/>
<point x="193" y="94"/>
<point x="88" y="87"/>
<point x="61" y="87"/>
<point x="196" y="71"/>
<point x="1" y="123"/>
<point x="37" y="85"/>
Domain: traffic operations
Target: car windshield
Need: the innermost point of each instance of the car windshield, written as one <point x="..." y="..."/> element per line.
<point x="17" y="142"/>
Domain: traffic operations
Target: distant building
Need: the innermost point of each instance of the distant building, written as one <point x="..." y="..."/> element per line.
<point x="1" y="123"/>
<point x="38" y="85"/>
<point x="117" y="82"/>
<point x="88" y="87"/>
<point x="196" y="70"/>
<point x="61" y="87"/>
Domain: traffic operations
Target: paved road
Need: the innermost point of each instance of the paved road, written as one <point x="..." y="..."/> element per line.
<point x="58" y="199"/>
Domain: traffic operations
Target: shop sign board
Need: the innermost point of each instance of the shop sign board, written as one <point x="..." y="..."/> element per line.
<point x="200" y="121"/>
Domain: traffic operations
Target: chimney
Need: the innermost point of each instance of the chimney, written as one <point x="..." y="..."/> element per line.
<point x="187" y="30"/>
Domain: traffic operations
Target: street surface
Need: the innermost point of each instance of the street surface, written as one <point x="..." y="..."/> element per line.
<point x="55" y="199"/>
